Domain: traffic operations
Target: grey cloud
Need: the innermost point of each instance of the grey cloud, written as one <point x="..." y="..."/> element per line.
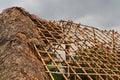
<point x="107" y="10"/>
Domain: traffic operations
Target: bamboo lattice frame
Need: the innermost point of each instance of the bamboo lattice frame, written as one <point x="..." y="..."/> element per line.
<point x="79" y="52"/>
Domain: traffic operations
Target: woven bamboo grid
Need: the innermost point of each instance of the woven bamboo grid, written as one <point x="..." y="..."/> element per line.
<point x="79" y="52"/>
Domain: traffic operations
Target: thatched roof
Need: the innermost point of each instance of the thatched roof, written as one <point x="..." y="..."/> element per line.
<point x="32" y="48"/>
<point x="18" y="35"/>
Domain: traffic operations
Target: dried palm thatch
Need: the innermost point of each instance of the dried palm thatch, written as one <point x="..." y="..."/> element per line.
<point x="18" y="35"/>
<point x="35" y="49"/>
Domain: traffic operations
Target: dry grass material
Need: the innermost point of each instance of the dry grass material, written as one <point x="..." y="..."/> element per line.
<point x="56" y="50"/>
<point x="18" y="35"/>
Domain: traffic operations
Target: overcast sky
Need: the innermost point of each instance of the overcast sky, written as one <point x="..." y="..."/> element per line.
<point x="103" y="14"/>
